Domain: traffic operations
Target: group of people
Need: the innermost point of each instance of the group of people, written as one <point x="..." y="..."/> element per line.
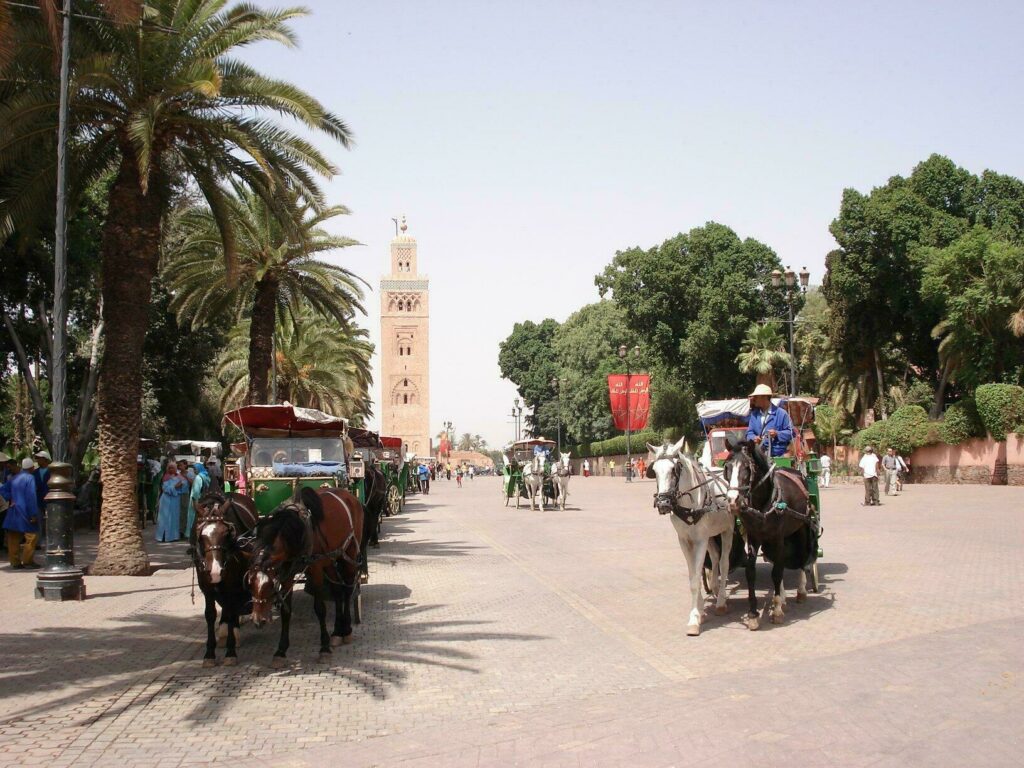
<point x="892" y="464"/>
<point x="23" y="489"/>
<point x="181" y="487"/>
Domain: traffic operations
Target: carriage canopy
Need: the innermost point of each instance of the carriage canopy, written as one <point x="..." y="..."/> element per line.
<point x="734" y="413"/>
<point x="285" y="420"/>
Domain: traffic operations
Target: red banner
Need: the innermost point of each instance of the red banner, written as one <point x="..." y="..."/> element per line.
<point x="637" y="391"/>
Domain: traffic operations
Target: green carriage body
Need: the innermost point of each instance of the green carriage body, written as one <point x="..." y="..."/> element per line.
<point x="288" y="449"/>
<point x="391" y="461"/>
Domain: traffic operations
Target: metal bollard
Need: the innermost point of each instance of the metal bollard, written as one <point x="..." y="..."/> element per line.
<point x="60" y="579"/>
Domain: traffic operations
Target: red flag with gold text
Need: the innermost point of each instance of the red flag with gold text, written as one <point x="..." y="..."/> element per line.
<point x="630" y="411"/>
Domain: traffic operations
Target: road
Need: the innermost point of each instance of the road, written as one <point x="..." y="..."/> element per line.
<point x="497" y="636"/>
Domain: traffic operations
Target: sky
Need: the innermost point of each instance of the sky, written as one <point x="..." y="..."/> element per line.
<point x="527" y="142"/>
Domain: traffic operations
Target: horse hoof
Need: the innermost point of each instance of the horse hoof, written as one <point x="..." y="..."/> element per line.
<point x="778" y="618"/>
<point x="693" y="630"/>
<point x="207" y="663"/>
<point x="324" y="656"/>
<point x="721" y="610"/>
<point x="230" y="661"/>
<point x="348" y="639"/>
<point x="801" y="597"/>
<point x="335" y="641"/>
<point x="277" y="662"/>
<point x="753" y="624"/>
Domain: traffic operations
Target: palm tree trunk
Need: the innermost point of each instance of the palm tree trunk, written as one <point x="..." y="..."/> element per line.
<point x="261" y="335"/>
<point x="940" y="392"/>
<point x="881" y="384"/>
<point x="130" y="253"/>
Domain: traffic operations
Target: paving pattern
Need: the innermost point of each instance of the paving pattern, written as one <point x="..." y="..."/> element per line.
<point x="497" y="636"/>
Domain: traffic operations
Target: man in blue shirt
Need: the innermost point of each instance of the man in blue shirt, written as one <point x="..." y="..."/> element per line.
<point x="768" y="425"/>
<point x="21" y="524"/>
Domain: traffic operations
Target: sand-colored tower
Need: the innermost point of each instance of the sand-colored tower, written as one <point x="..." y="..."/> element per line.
<point x="405" y="348"/>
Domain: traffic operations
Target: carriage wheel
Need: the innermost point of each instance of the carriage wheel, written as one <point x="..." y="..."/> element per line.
<point x="394" y="503"/>
<point x="519" y="495"/>
<point x="705" y="576"/>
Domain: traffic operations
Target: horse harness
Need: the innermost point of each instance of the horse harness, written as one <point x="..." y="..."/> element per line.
<point x="689" y="515"/>
<point x="240" y="542"/>
<point x="776" y="504"/>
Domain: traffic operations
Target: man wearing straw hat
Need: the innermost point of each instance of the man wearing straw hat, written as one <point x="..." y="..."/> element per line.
<point x="768" y="425"/>
<point x="21" y="524"/>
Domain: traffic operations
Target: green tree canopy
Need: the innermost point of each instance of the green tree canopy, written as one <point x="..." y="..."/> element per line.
<point x="763" y="353"/>
<point x="692" y="299"/>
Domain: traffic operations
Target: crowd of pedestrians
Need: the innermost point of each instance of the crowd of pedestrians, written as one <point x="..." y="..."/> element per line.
<point x="23" y="489"/>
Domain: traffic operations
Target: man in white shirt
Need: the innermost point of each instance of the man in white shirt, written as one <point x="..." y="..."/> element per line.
<point x="826" y="471"/>
<point x="869" y="466"/>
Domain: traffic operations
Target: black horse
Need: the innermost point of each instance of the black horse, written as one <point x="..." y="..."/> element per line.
<point x="376" y="485"/>
<point x="222" y="543"/>
<point x="774" y="507"/>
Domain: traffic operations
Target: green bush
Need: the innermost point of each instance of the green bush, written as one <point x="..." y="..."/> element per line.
<point x="961" y="422"/>
<point x="905" y="430"/>
<point x="1000" y="407"/>
<point x="616" y="446"/>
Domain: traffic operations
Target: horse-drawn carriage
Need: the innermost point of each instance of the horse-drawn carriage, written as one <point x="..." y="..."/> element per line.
<point x="725" y="424"/>
<point x="530" y="468"/>
<point x="391" y="461"/>
<point x="287" y="449"/>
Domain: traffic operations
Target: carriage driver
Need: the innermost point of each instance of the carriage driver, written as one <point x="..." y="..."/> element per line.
<point x="768" y="425"/>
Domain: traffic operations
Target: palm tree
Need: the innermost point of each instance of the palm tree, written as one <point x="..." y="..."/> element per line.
<point x="847" y="388"/>
<point x="276" y="273"/>
<point x="320" y="363"/>
<point x="762" y="352"/>
<point x="164" y="105"/>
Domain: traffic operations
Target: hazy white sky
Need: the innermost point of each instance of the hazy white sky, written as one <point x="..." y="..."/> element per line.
<point x="528" y="141"/>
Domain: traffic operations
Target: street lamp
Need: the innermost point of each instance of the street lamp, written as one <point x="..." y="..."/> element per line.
<point x="624" y="356"/>
<point x="558" y="412"/>
<point x="517" y="414"/>
<point x="790" y="278"/>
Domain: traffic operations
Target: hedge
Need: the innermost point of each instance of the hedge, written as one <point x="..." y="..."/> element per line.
<point x="1001" y="408"/>
<point x="961" y="422"/>
<point x="617" y="445"/>
<point x="907" y="429"/>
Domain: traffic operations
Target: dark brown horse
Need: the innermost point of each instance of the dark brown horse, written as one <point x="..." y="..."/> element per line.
<point x="222" y="542"/>
<point x="320" y="534"/>
<point x="774" y="507"/>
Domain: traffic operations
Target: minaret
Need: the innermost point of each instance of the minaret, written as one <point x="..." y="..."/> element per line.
<point x="404" y="348"/>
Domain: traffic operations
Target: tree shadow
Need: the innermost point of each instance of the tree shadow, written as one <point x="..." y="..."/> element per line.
<point x="396" y="636"/>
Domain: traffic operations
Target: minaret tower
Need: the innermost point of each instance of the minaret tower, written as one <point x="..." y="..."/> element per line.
<point x="404" y="348"/>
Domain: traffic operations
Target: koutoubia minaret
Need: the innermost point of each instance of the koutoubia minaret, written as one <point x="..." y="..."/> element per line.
<point x="405" y="348"/>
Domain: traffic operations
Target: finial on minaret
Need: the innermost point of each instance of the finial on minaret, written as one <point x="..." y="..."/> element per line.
<point x="403" y="227"/>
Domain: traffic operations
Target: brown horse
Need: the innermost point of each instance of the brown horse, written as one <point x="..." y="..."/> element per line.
<point x="222" y="543"/>
<point x="320" y="534"/>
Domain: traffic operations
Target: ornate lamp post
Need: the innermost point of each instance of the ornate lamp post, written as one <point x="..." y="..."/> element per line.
<point x="624" y="356"/>
<point x="60" y="578"/>
<point x="790" y="278"/>
<point x="517" y="415"/>
<point x="556" y="383"/>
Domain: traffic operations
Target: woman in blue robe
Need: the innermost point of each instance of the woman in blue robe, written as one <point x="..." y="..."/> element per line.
<point x="200" y="485"/>
<point x="173" y="487"/>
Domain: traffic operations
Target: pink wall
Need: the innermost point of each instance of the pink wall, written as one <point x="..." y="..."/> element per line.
<point x="981" y="460"/>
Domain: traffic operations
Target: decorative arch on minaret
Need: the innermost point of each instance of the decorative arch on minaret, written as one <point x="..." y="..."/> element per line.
<point x="405" y="392"/>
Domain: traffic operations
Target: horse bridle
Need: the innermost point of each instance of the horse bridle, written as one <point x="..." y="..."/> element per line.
<point x="689" y="515"/>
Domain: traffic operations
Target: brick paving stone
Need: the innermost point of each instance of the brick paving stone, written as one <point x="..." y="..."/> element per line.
<point x="496" y="636"/>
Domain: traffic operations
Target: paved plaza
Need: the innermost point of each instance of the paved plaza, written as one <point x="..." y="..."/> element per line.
<point x="496" y="636"/>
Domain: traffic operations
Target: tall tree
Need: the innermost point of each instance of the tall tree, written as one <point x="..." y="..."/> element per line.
<point x="527" y="359"/>
<point x="692" y="299"/>
<point x="277" y="272"/>
<point x="164" y="104"/>
<point x="320" y="364"/>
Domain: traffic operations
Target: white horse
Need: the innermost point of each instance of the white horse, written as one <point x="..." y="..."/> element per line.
<point x="561" y="472"/>
<point x="533" y="480"/>
<point x="698" y="504"/>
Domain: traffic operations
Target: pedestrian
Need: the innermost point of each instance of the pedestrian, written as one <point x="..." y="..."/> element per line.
<point x="21" y="522"/>
<point x="902" y="471"/>
<point x="424" y="478"/>
<point x="200" y="485"/>
<point x="826" y="471"/>
<point x="6" y="472"/>
<point x="449" y="470"/>
<point x="168" y="519"/>
<point x="891" y="467"/>
<point x="641" y="467"/>
<point x="611" y="467"/>
<point x="586" y="467"/>
<point x="458" y="475"/>
<point x="187" y="474"/>
<point x="472" y="471"/>
<point x="869" y="466"/>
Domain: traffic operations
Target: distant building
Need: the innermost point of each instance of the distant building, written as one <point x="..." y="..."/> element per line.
<point x="404" y="348"/>
<point x="475" y="458"/>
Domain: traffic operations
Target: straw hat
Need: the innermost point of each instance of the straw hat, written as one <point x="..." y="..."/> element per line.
<point x="27" y="463"/>
<point x="761" y="389"/>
